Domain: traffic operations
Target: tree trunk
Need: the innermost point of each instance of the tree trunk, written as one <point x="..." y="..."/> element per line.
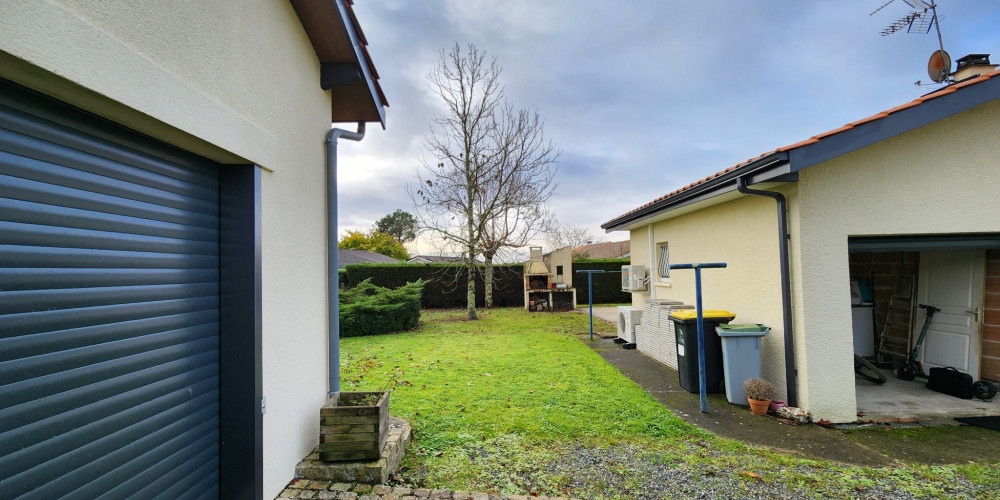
<point x="488" y="281"/>
<point x="470" y="298"/>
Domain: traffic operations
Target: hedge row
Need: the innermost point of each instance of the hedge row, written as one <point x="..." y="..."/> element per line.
<point x="607" y="286"/>
<point x="446" y="283"/>
<point x="367" y="309"/>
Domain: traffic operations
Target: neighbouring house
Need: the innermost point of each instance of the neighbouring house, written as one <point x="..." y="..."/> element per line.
<point x="348" y="256"/>
<point x="435" y="259"/>
<point x="164" y="240"/>
<point x="910" y="192"/>
<point x="606" y="250"/>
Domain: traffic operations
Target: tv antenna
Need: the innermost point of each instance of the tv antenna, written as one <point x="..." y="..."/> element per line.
<point x="920" y="21"/>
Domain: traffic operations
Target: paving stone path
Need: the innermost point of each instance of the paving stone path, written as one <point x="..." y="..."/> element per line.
<point x="327" y="490"/>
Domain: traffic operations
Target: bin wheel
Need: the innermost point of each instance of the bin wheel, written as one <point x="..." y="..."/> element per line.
<point x="867" y="370"/>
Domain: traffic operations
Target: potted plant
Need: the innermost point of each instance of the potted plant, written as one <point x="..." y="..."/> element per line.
<point x="759" y="394"/>
<point x="353" y="426"/>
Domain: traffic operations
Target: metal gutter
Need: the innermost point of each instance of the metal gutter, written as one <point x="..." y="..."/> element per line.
<point x="786" y="293"/>
<point x="332" y="284"/>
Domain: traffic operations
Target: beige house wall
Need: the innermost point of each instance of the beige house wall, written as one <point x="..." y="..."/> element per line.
<point x="237" y="82"/>
<point x="941" y="178"/>
<point x="742" y="233"/>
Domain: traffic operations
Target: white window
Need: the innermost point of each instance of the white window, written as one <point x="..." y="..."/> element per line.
<point x="663" y="262"/>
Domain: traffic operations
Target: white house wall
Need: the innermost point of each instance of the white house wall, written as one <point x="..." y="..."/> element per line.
<point x="237" y="82"/>
<point x="742" y="233"/>
<point x="941" y="178"/>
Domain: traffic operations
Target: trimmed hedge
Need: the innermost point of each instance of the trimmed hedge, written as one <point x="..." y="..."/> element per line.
<point x="607" y="286"/>
<point x="367" y="309"/>
<point x="446" y="283"/>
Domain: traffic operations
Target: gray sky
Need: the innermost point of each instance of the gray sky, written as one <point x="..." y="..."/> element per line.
<point x="644" y="97"/>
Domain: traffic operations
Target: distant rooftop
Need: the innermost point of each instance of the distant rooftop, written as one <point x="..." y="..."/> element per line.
<point x="345" y="257"/>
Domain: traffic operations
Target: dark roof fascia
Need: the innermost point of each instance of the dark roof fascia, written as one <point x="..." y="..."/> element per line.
<point x="335" y="37"/>
<point x="863" y="135"/>
<point x="773" y="167"/>
<point x="362" y="59"/>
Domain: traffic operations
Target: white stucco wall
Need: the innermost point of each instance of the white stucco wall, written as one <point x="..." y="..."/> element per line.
<point x="941" y="178"/>
<point x="237" y="82"/>
<point x="742" y="233"/>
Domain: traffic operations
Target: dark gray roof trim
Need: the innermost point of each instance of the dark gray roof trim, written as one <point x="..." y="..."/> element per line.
<point x="896" y="123"/>
<point x="773" y="167"/>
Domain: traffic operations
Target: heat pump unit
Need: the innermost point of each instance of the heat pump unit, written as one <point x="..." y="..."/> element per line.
<point x="628" y="318"/>
<point x="633" y="278"/>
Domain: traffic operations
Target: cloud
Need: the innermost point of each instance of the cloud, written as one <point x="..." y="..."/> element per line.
<point x="644" y="97"/>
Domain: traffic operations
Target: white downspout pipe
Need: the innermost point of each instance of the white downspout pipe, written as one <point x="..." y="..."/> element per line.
<point x="333" y="285"/>
<point x="652" y="262"/>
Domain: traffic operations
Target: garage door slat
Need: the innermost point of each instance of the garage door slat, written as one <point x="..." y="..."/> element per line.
<point x="37" y="121"/>
<point x="47" y="215"/>
<point x="53" y="341"/>
<point x="40" y="279"/>
<point x="185" y="415"/>
<point x="65" y="319"/>
<point x="199" y="381"/>
<point x="16" y="188"/>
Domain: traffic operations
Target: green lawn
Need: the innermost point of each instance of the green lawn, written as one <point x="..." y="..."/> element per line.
<point x="499" y="404"/>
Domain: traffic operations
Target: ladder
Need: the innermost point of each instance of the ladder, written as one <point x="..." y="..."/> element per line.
<point x="894" y="337"/>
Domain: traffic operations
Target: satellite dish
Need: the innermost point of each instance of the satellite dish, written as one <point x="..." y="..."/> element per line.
<point x="939" y="66"/>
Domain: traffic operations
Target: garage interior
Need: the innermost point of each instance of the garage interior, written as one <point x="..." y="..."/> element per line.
<point x="885" y="282"/>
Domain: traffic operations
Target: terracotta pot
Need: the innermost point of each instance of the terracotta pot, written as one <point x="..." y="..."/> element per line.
<point x="758" y="407"/>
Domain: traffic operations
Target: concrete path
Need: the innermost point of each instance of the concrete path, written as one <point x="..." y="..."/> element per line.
<point x="948" y="445"/>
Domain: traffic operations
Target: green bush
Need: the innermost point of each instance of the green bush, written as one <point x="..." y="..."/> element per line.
<point x="368" y="309"/>
<point x="607" y="286"/>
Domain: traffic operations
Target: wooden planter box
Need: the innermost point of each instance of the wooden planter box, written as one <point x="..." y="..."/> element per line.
<point x="348" y="432"/>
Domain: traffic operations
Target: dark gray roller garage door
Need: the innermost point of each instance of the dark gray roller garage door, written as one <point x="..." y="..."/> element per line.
<point x="109" y="309"/>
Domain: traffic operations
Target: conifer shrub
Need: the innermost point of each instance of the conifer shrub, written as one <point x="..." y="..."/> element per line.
<point x="368" y="309"/>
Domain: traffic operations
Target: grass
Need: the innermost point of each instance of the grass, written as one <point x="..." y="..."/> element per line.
<point x="497" y="404"/>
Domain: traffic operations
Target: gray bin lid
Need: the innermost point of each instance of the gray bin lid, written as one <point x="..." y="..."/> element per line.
<point x="742" y="330"/>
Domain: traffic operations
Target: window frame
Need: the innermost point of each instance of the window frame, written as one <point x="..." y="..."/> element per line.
<point x="663" y="262"/>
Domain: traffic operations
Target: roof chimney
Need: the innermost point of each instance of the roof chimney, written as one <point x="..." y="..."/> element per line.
<point x="973" y="65"/>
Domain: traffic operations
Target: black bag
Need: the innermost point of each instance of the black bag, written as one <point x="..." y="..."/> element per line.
<point x="950" y="381"/>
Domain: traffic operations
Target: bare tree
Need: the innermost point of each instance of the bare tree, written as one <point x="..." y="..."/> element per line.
<point x="514" y="196"/>
<point x="463" y="143"/>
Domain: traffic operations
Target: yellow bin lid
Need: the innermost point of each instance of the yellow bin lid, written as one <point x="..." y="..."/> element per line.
<point x="686" y="314"/>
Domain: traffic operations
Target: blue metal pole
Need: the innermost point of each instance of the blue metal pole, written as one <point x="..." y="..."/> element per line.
<point x="702" y="383"/>
<point x="590" y="302"/>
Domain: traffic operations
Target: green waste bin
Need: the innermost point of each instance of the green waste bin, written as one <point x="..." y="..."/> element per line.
<point x="686" y="333"/>
<point x="740" y="356"/>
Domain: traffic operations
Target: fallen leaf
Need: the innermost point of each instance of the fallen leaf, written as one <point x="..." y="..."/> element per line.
<point x="470" y="383"/>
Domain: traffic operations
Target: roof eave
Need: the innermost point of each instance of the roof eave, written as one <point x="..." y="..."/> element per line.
<point x="339" y="45"/>
<point x="773" y="167"/>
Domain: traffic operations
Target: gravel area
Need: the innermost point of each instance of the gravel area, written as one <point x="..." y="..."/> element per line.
<point x="628" y="471"/>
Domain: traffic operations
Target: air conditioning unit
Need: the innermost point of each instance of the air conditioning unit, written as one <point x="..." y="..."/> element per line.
<point x="633" y="278"/>
<point x="628" y="318"/>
